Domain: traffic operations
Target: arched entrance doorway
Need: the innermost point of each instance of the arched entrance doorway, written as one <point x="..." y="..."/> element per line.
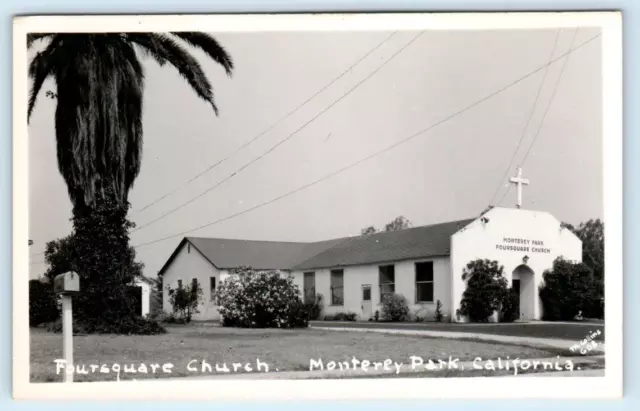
<point x="523" y="283"/>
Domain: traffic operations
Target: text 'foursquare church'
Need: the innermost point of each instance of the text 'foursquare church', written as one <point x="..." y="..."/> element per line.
<point x="425" y="264"/>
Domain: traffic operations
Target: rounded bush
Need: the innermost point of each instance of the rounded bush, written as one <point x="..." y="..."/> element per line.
<point x="486" y="290"/>
<point x="260" y="299"/>
<point x="568" y="289"/>
<point x="395" y="307"/>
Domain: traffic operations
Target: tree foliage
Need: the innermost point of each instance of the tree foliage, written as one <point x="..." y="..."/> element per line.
<point x="368" y="230"/>
<point x="398" y="223"/>
<point x="43" y="307"/>
<point x="185" y="300"/>
<point x="569" y="288"/>
<point x="98" y="250"/>
<point x="486" y="290"/>
<point x="100" y="82"/>
<point x="591" y="233"/>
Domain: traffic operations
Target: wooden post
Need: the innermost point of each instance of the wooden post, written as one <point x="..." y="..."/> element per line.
<point x="66" y="285"/>
<point x="67" y="336"/>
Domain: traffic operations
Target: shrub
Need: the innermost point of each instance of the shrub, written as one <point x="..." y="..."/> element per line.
<point x="509" y="310"/>
<point x="438" y="316"/>
<point x="128" y="326"/>
<point x="395" y="307"/>
<point x="42" y="303"/>
<point x="260" y="299"/>
<point x="185" y="300"/>
<point x="172" y="318"/>
<point x="418" y="319"/>
<point x="376" y="316"/>
<point x="485" y="292"/>
<point x="298" y="316"/>
<point x="315" y="308"/>
<point x="568" y="288"/>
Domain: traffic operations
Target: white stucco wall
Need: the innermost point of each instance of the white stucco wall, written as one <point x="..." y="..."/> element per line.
<point x="356" y="276"/>
<point x="187" y="265"/>
<point x="540" y="231"/>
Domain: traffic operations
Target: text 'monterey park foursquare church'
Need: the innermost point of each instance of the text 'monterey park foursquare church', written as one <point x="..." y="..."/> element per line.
<point x="425" y="264"/>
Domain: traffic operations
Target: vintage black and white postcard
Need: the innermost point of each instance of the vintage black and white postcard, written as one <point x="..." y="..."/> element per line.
<point x="318" y="206"/>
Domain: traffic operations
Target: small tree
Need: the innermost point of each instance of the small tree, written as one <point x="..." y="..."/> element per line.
<point x="486" y="290"/>
<point x="568" y="289"/>
<point x="399" y="223"/>
<point x="185" y="300"/>
<point x="395" y="307"/>
<point x="368" y="230"/>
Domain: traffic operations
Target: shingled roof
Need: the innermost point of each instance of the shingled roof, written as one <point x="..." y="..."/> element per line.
<point x="418" y="242"/>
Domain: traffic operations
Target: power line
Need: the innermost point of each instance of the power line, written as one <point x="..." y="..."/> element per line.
<point x="544" y="115"/>
<point x="371" y="155"/>
<point x="173" y="210"/>
<point x="526" y="126"/>
<point x="271" y="127"/>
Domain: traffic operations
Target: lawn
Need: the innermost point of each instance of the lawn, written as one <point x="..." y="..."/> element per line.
<point x="573" y="331"/>
<point x="281" y="350"/>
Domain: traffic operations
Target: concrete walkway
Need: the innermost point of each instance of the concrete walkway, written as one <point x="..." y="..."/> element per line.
<point x="417" y="370"/>
<point x="553" y="343"/>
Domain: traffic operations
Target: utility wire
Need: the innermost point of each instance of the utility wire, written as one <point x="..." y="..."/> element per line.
<point x="371" y="155"/>
<point x="173" y="210"/>
<point x="544" y="115"/>
<point x="271" y="127"/>
<point x="526" y="126"/>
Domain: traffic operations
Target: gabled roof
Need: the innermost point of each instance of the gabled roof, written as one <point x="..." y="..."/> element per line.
<point x="260" y="255"/>
<point x="419" y="242"/>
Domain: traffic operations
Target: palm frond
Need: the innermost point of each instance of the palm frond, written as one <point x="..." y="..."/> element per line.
<point x="33" y="37"/>
<point x="210" y="46"/>
<point x="41" y="67"/>
<point x="168" y="50"/>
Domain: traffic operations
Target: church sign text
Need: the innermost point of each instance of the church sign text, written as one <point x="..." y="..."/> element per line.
<point x="523" y="245"/>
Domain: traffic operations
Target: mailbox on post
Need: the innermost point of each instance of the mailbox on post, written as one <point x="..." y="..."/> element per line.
<point x="66" y="285"/>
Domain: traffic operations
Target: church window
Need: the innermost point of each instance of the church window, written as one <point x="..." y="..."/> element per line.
<point x="337" y="287"/>
<point x="387" y="280"/>
<point x="309" y="286"/>
<point x="212" y="287"/>
<point x="424" y="282"/>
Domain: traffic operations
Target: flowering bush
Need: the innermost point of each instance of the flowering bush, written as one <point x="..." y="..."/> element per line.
<point x="395" y="307"/>
<point x="250" y="298"/>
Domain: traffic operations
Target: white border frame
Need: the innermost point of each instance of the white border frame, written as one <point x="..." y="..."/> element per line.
<point x="609" y="386"/>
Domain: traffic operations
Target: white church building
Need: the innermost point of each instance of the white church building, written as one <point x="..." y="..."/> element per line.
<point x="425" y="264"/>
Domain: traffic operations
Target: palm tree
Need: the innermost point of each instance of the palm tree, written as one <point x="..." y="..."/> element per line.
<point x="100" y="82"/>
<point x="98" y="120"/>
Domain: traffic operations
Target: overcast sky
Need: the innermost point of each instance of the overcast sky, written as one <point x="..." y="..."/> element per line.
<point x="450" y="172"/>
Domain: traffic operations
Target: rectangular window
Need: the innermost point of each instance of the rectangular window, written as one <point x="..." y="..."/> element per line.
<point x="179" y="283"/>
<point x="424" y="282"/>
<point x="194" y="284"/>
<point x="212" y="287"/>
<point x="309" y="286"/>
<point x="387" y="280"/>
<point x="337" y="287"/>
